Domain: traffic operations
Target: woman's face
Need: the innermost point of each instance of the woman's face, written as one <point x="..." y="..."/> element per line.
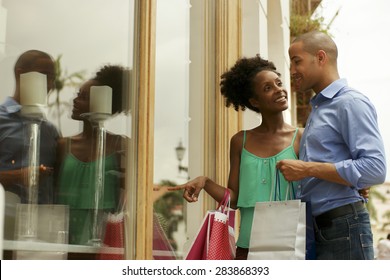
<point x="81" y="101"/>
<point x="270" y="95"/>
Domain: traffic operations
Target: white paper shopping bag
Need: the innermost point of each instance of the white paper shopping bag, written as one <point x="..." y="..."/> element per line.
<point x="278" y="231"/>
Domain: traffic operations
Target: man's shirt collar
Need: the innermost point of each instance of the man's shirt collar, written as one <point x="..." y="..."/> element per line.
<point x="331" y="90"/>
<point x="11" y="106"/>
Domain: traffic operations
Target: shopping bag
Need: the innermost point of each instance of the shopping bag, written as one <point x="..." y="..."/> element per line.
<point x="198" y="249"/>
<point x="162" y="248"/>
<point x="113" y="244"/>
<point x="278" y="231"/>
<point x="215" y="239"/>
<point x="220" y="244"/>
<point x="278" y="228"/>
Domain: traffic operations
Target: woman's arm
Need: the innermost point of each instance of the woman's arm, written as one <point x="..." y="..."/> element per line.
<point x="216" y="191"/>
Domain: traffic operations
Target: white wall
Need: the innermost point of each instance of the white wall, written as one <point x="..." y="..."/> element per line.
<point x="266" y="32"/>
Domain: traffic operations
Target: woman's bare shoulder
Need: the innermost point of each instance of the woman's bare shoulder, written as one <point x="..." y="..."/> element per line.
<point x="237" y="138"/>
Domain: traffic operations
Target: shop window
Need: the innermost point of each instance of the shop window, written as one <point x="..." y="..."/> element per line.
<point x="171" y="127"/>
<point x="63" y="160"/>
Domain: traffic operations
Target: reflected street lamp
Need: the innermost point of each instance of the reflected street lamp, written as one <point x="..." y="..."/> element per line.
<point x="180" y="150"/>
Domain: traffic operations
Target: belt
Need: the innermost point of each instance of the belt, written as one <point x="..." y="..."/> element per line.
<point x="325" y="219"/>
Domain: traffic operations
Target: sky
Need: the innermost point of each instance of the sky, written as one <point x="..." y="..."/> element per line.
<point x="361" y="32"/>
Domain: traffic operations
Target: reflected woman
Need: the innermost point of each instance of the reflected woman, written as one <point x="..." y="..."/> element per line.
<point x="78" y="159"/>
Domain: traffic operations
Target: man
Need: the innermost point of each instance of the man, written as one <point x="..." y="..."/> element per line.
<point x="14" y="136"/>
<point x="341" y="151"/>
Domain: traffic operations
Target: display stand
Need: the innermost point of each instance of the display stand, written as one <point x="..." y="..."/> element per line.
<point x="37" y="223"/>
<point x="34" y="118"/>
<point x="97" y="121"/>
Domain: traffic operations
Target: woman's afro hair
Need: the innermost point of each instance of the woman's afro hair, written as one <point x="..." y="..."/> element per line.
<point x="116" y="77"/>
<point x="237" y="83"/>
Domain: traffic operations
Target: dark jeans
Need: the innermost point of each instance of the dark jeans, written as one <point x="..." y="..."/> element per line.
<point x="348" y="237"/>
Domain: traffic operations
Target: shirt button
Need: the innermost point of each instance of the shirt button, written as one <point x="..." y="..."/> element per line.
<point x="265" y="161"/>
<point x="263" y="181"/>
<point x="316" y="106"/>
<point x="299" y="186"/>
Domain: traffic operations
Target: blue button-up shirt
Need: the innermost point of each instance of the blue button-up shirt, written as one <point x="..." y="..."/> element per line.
<point x="14" y="148"/>
<point x="342" y="129"/>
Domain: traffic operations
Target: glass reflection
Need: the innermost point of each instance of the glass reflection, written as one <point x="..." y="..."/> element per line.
<point x="79" y="46"/>
<point x="88" y="155"/>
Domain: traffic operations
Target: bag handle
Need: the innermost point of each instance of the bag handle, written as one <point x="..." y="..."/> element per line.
<point x="225" y="202"/>
<point x="277" y="190"/>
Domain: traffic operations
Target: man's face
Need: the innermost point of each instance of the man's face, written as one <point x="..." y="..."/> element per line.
<point x="303" y="67"/>
<point x="44" y="66"/>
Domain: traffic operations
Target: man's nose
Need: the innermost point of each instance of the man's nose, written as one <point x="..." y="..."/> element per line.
<point x="292" y="69"/>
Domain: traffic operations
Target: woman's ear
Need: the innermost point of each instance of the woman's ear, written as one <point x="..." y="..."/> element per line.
<point x="254" y="102"/>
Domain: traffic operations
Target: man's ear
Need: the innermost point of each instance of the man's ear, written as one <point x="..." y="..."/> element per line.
<point x="322" y="57"/>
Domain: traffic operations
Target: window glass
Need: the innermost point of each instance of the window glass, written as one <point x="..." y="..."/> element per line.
<point x="171" y="127"/>
<point x="63" y="154"/>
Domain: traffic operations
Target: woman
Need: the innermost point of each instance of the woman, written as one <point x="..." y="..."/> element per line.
<point x="78" y="159"/>
<point x="255" y="84"/>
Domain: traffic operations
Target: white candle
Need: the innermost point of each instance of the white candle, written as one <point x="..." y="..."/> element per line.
<point x="33" y="89"/>
<point x="100" y="99"/>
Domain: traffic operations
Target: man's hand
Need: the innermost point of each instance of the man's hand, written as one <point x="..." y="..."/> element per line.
<point x="292" y="170"/>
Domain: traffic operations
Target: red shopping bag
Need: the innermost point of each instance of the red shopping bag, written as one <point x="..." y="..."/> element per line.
<point x="113" y="238"/>
<point x="162" y="249"/>
<point x="198" y="249"/>
<point x="215" y="239"/>
<point x="219" y="247"/>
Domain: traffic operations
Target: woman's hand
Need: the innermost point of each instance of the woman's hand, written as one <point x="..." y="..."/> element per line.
<point x="191" y="188"/>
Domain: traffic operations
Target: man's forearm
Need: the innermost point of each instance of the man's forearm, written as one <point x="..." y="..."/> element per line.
<point x="325" y="171"/>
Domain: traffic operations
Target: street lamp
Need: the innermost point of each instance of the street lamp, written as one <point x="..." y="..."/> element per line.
<point x="180" y="150"/>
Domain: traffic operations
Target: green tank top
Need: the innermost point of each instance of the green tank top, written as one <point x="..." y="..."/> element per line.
<point x="77" y="189"/>
<point x="257" y="176"/>
<point x="76" y="182"/>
